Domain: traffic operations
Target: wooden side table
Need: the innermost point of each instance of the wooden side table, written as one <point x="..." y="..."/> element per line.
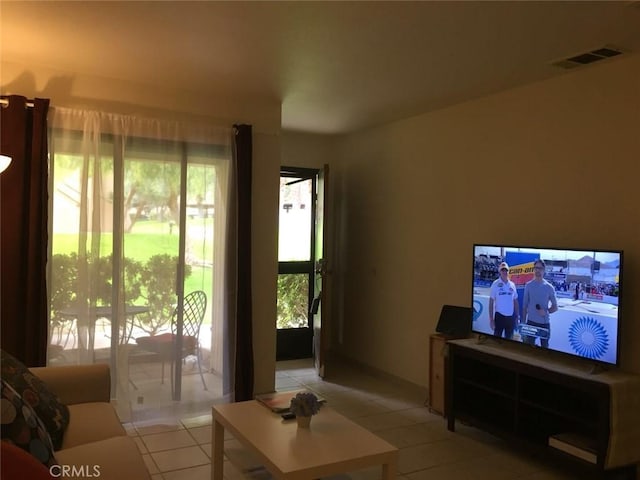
<point x="437" y="346"/>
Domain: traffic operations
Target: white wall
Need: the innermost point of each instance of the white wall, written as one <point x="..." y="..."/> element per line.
<point x="108" y="94"/>
<point x="551" y="163"/>
<point x="307" y="150"/>
<point x="413" y="196"/>
<point x="264" y="225"/>
<point x="81" y="91"/>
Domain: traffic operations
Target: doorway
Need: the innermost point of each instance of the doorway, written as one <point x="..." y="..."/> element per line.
<point x="296" y="262"/>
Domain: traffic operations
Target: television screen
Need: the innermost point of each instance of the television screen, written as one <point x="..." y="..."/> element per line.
<point x="566" y="300"/>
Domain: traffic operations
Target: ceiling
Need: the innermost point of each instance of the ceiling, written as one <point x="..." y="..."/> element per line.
<point x="335" y="67"/>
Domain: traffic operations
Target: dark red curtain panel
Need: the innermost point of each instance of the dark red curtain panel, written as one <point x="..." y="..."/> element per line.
<point x="23" y="230"/>
<point x="244" y="330"/>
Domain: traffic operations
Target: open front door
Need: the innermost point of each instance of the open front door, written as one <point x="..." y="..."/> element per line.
<point x="321" y="306"/>
<point x="304" y="289"/>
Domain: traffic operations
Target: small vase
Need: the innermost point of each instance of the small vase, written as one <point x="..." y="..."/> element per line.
<point x="303" y="422"/>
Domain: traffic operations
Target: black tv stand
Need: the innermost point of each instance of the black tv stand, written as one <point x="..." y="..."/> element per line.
<point x="483" y="339"/>
<point x="527" y="398"/>
<point x="597" y="368"/>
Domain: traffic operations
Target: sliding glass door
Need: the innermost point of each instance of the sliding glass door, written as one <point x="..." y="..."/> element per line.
<point x="137" y="225"/>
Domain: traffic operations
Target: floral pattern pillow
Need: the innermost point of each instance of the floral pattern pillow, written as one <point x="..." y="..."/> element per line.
<point x="21" y="426"/>
<point x="53" y="413"/>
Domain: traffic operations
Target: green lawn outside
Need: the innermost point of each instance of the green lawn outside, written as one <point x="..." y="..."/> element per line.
<point x="149" y="238"/>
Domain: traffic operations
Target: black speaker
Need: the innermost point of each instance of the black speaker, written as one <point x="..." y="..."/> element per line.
<point x="455" y="321"/>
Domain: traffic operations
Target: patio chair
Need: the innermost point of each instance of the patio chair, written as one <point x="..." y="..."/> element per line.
<point x="195" y="305"/>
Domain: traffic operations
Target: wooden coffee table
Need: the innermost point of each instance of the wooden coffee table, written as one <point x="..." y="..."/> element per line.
<point x="333" y="444"/>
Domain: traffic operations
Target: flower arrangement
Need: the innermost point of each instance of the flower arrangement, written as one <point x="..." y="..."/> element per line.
<point x="304" y="404"/>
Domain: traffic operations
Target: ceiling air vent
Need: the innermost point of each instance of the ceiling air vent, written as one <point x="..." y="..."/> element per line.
<point x="588" y="57"/>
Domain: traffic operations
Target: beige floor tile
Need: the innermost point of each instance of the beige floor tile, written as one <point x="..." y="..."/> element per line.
<point x="151" y="465"/>
<point x="284" y="383"/>
<point x="341" y="476"/>
<point x="416" y="434"/>
<point x="259" y="473"/>
<point x="168" y="440"/>
<point x="555" y="475"/>
<point x="428" y="451"/>
<point x="201" y="434"/>
<point x="383" y="421"/>
<point x="373" y="386"/>
<point x="429" y="455"/>
<point x="422" y="414"/>
<point x="180" y="458"/>
<point x="477" y="469"/>
<point x="371" y="473"/>
<point x="199" y="421"/>
<point x="304" y="371"/>
<point x="352" y="395"/>
<point x="141" y="446"/>
<point x="202" y="472"/>
<point x="326" y="388"/>
<point x="130" y="429"/>
<point x="475" y="447"/>
<point x="521" y="463"/>
<point x="479" y="435"/>
<point x="206" y="448"/>
<point x="158" y="426"/>
<point x="394" y="404"/>
<point x="562" y="471"/>
<point x="307" y="379"/>
<point x="353" y="409"/>
<point x="240" y="456"/>
<point x="290" y="365"/>
<point x="232" y="472"/>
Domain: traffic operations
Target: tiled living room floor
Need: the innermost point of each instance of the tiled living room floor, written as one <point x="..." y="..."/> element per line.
<point x="180" y="448"/>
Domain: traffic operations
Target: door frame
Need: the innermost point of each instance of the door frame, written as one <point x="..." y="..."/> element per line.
<point x="292" y="343"/>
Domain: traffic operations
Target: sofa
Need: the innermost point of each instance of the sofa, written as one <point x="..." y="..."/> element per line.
<point x="94" y="443"/>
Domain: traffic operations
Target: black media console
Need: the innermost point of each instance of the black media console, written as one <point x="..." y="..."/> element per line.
<point x="531" y="396"/>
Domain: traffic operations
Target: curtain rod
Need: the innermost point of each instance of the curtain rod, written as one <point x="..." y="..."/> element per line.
<point x="5" y="102"/>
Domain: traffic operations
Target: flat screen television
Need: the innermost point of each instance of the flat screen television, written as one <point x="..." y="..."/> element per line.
<point x="567" y="300"/>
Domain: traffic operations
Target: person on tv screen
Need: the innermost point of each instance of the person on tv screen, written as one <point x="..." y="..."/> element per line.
<point x="503" y="304"/>
<point x="538" y="302"/>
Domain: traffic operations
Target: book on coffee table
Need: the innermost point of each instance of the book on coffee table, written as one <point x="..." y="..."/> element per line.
<point x="279" y="402"/>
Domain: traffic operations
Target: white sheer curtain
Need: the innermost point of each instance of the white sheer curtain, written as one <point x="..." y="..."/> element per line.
<point x="138" y="218"/>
